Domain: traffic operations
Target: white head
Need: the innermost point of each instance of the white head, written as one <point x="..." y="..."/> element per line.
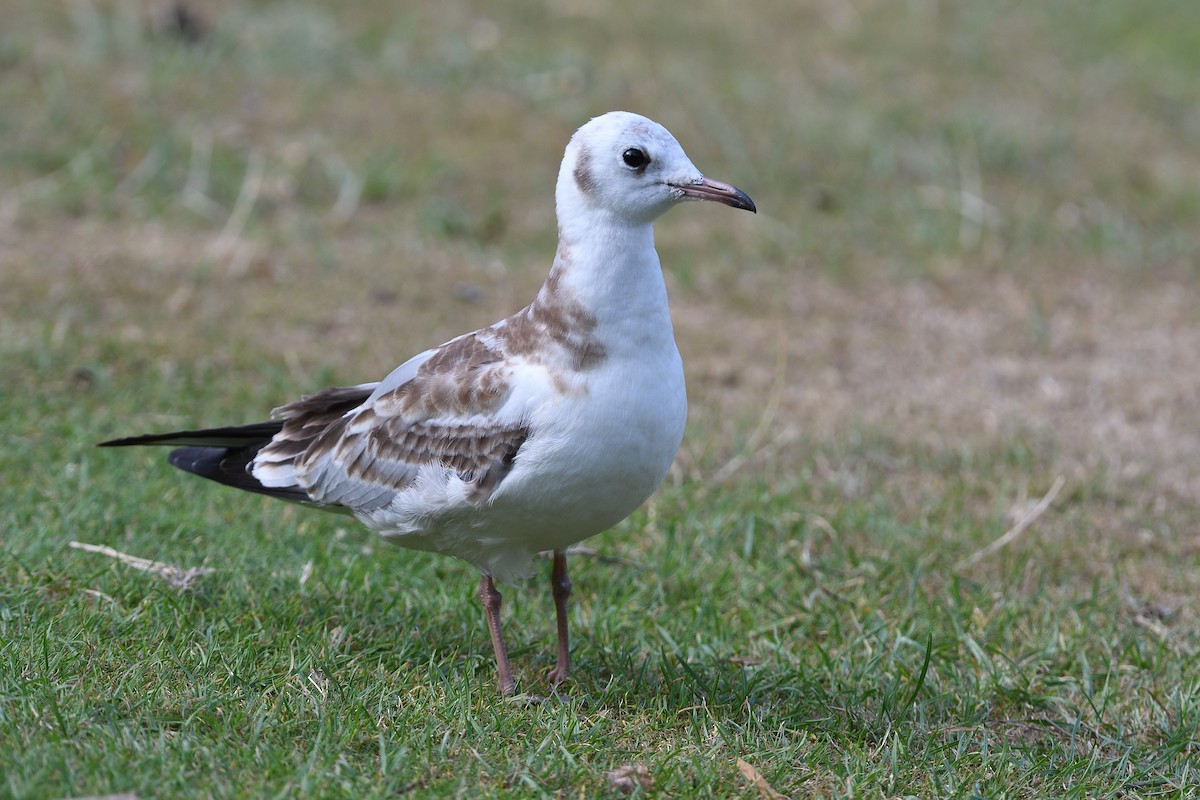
<point x="631" y="168"/>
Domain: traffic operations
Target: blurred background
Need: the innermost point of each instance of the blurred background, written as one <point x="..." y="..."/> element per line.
<point x="973" y="283"/>
<point x="978" y="220"/>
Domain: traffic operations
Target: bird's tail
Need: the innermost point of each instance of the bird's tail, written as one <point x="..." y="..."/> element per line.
<point x="220" y="454"/>
<point x="225" y="455"/>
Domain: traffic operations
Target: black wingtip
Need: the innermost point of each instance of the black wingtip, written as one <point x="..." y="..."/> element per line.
<point x="123" y="442"/>
<point x="219" y="454"/>
<point x="203" y="461"/>
<point x="234" y="436"/>
<point x="230" y="467"/>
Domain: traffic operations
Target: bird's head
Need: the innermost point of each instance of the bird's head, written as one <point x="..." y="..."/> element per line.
<point x="634" y="169"/>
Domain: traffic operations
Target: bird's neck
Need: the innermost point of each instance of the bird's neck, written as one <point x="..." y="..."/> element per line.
<point x="611" y="270"/>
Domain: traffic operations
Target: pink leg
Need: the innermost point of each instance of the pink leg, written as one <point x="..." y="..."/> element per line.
<point x="491" y="598"/>
<point x="560" y="585"/>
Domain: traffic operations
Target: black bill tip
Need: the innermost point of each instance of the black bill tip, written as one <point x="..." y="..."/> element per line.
<point x="716" y="191"/>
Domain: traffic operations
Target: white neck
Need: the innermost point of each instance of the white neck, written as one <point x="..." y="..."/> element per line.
<point x="610" y="266"/>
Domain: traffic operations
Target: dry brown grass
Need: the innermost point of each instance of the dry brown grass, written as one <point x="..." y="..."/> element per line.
<point x="1105" y="370"/>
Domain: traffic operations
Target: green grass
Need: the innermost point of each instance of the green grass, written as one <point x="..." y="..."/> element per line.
<point x="884" y="378"/>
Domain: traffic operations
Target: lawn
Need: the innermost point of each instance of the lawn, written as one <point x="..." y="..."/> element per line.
<point x="934" y="530"/>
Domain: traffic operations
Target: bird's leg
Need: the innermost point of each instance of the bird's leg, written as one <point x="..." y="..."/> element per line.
<point x="560" y="586"/>
<point x="491" y="598"/>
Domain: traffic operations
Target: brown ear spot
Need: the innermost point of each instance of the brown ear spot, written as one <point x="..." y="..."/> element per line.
<point x="583" y="171"/>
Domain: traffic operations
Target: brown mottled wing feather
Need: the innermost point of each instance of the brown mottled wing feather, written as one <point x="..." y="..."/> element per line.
<point x="363" y="467"/>
<point x="307" y="418"/>
<point x="361" y="454"/>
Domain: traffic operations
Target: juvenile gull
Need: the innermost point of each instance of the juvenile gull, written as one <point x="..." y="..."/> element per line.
<point x="529" y="435"/>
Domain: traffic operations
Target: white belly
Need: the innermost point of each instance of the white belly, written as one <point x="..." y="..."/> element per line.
<point x="591" y="467"/>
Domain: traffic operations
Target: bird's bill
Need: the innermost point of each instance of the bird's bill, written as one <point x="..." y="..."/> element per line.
<point x="708" y="189"/>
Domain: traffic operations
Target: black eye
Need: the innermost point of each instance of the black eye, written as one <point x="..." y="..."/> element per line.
<point x="635" y="158"/>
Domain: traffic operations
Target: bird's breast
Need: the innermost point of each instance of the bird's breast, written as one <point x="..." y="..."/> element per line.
<point x="600" y="449"/>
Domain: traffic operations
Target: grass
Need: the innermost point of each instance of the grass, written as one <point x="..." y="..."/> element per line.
<point x="974" y="273"/>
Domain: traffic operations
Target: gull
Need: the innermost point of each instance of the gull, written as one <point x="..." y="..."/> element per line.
<point x="527" y="436"/>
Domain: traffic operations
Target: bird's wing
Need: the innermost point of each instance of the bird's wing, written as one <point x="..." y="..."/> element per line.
<point x="450" y="408"/>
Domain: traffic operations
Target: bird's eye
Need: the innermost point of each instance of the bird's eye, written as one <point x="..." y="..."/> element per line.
<point x="635" y="158"/>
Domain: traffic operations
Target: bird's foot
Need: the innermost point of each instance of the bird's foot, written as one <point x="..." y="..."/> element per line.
<point x="557" y="677"/>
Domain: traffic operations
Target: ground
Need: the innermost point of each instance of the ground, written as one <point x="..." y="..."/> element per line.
<point x="934" y="527"/>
